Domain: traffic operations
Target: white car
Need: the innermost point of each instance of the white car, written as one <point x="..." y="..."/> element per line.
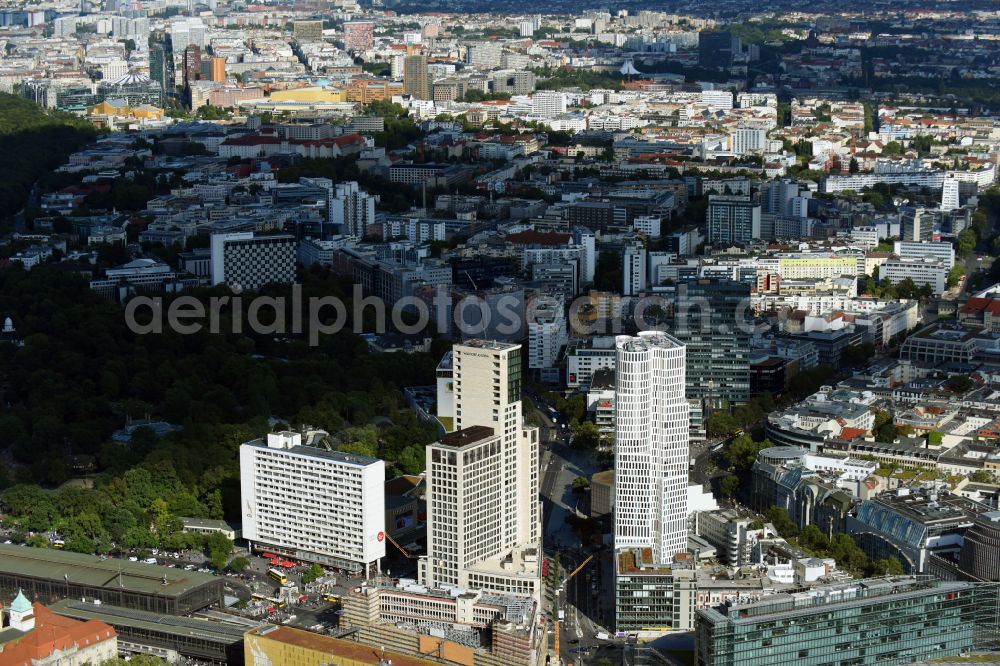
<point x="133" y="558"/>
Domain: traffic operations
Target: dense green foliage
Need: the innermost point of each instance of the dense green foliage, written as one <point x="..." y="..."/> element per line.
<point x="33" y="142"/>
<point x="81" y="372"/>
<point x="585" y="79"/>
<point x="840" y="547"/>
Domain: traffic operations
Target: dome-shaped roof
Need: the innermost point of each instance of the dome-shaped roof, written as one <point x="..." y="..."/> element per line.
<point x="21" y="603"/>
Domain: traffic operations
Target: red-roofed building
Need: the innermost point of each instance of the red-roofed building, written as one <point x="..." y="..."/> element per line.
<point x="983" y="312"/>
<point x="35" y="636"/>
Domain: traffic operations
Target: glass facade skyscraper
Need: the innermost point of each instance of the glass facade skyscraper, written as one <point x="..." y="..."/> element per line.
<point x="711" y="320"/>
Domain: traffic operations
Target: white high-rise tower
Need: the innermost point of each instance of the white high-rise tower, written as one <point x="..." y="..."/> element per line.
<point x="651" y="445"/>
<point x="949" y="194"/>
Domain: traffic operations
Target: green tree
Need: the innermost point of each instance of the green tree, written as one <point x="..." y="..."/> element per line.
<point x="315" y="572"/>
<point x="960" y="384"/>
<point x="812" y="538"/>
<point x="586" y="435"/>
<point x="891" y="566"/>
<point x="729" y="485"/>
<point x="966" y="242"/>
<point x="858" y="355"/>
<point x="580" y="484"/>
<point x="934" y="438"/>
<point x="782" y="522"/>
<point x="954" y="275"/>
<point x="741" y="453"/>
<point x="239" y="565"/>
<point x="219" y="547"/>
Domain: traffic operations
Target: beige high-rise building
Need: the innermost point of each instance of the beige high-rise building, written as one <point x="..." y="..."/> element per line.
<point x="483" y="511"/>
<point x="416" y="80"/>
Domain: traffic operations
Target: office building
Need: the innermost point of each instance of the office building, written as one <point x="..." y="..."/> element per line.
<point x="585" y="357"/>
<point x="916" y="224"/>
<point x="359" y="35"/>
<point x="483" y="515"/>
<point x="927" y="271"/>
<point x="749" y="141"/>
<point x="313" y="504"/>
<point x="650" y="595"/>
<point x="513" y="82"/>
<point x="711" y="320"/>
<point x="351" y="209"/>
<point x="473" y="628"/>
<point x="717" y="49"/>
<point x="192" y="64"/>
<point x="547" y="333"/>
<point x="943" y="252"/>
<point x="873" y="622"/>
<point x="161" y="62"/>
<point x="949" y="194"/>
<point x="416" y="79"/>
<point x="919" y="528"/>
<point x="980" y="558"/>
<point x="548" y="103"/>
<point x="217" y="69"/>
<point x="732" y="220"/>
<point x="251" y="261"/>
<point x="651" y="445"/>
<point x="633" y="270"/>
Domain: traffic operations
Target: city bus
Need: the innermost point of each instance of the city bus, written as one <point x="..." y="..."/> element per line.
<point x="278" y="575"/>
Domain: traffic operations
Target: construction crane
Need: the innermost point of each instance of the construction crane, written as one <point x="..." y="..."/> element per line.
<point x="555" y="641"/>
<point x="405" y="552"/>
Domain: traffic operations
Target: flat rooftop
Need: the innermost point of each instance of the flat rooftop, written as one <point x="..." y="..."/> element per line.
<point x="357" y="653"/>
<point x="187" y="627"/>
<point x="317" y="452"/>
<point x="92" y="571"/>
<point x="493" y="345"/>
<point x="817" y="599"/>
<point x="466" y="436"/>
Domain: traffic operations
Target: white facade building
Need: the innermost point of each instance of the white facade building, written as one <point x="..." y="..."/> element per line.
<point x="928" y="271"/>
<point x="350" y="209"/>
<point x="647" y="224"/>
<point x="943" y="252"/>
<point x="633" y="270"/>
<point x="548" y="104"/>
<point x="313" y="504"/>
<point x="547" y="333"/>
<point x="483" y="513"/>
<point x="749" y="140"/>
<point x="949" y="194"/>
<point x="651" y="445"/>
